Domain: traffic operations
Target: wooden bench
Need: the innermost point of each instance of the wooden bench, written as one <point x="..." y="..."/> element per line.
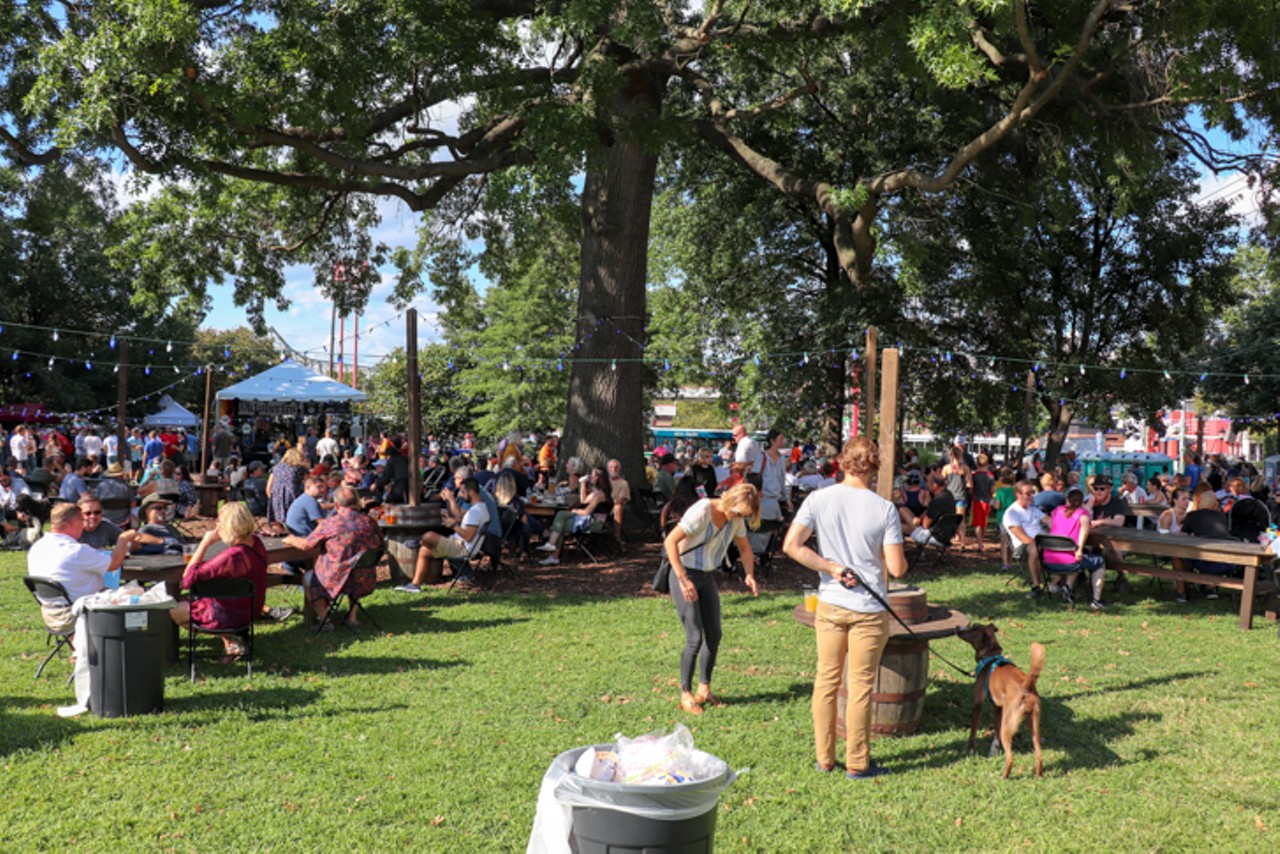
<point x="1251" y="557"/>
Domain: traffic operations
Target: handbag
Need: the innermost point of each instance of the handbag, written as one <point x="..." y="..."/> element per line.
<point x="662" y="578"/>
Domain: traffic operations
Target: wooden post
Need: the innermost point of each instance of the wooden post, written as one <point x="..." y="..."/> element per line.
<point x="204" y="422"/>
<point x="333" y="323"/>
<point x="1026" y="419"/>
<point x="355" y="353"/>
<point x="122" y="399"/>
<point x="869" y="384"/>
<point x="415" y="406"/>
<point x="888" y="422"/>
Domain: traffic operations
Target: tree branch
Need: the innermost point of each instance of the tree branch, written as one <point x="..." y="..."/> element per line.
<point x="25" y="154"/>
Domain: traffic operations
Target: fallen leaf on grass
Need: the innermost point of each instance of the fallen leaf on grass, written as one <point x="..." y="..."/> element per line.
<point x="749" y="802"/>
<point x="1259" y="823"/>
<point x="1123" y="652"/>
<point x="1251" y="684"/>
<point x="437" y="821"/>
<point x="959" y="822"/>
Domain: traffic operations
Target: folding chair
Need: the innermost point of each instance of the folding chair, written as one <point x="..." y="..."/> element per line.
<point x="764" y="558"/>
<point x="368" y="559"/>
<point x="51" y="593"/>
<point x="484" y="548"/>
<point x="1056" y="543"/>
<point x="227" y="591"/>
<point x="591" y="540"/>
<point x="942" y="533"/>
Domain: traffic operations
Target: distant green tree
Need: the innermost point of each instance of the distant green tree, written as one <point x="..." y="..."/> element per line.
<point x="56" y="228"/>
<point x="446" y="411"/>
<point x="1247" y="343"/>
<point x="234" y="354"/>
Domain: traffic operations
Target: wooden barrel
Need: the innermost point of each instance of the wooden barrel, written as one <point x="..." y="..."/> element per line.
<point x="897" y="700"/>
<point x="909" y="603"/>
<point x="425" y="515"/>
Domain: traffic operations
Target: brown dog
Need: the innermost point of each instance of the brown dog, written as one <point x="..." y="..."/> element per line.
<point x="1012" y="692"/>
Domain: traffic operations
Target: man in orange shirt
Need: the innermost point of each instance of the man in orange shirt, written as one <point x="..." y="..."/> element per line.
<point x="547" y="455"/>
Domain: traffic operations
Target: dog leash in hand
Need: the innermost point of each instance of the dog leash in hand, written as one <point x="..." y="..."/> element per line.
<point x="850" y="572"/>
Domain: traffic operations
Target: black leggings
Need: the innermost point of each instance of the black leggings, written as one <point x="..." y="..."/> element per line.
<point x="701" y="621"/>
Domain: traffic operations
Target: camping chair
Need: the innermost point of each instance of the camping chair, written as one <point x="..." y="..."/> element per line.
<point x="483" y="560"/>
<point x="51" y="593"/>
<point x="225" y="590"/>
<point x="596" y="537"/>
<point x="646" y="505"/>
<point x="367" y="559"/>
<point x="514" y="541"/>
<point x="942" y="532"/>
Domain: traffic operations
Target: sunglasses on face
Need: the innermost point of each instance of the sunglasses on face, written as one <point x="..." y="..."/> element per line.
<point x="91" y="513"/>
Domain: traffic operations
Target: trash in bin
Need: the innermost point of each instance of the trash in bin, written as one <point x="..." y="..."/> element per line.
<point x="128" y="637"/>
<point x="658" y="793"/>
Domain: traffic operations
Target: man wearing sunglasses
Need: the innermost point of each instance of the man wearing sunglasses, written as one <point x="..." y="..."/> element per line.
<point x="98" y="533"/>
<point x="1109" y="511"/>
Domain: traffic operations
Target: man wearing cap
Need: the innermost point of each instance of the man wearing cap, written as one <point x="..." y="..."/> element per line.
<point x="80" y="569"/>
<point x="255" y="488"/>
<point x="113" y="491"/>
<point x="665" y="483"/>
<point x="156" y="536"/>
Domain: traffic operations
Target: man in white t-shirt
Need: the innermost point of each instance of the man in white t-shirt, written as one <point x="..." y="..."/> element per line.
<point x="92" y="444"/>
<point x="463" y="541"/>
<point x="1022" y="522"/>
<point x="20" y="448"/>
<point x="328" y="446"/>
<point x="59" y="556"/>
<point x="748" y="450"/>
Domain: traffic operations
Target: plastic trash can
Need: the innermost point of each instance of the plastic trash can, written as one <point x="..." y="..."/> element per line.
<point x="127" y="648"/>
<point x="610" y="818"/>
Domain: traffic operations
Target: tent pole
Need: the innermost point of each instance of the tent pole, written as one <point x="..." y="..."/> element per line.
<point x="204" y="424"/>
<point x="122" y="397"/>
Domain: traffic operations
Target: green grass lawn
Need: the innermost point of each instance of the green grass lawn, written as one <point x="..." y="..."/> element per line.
<point x="1160" y="731"/>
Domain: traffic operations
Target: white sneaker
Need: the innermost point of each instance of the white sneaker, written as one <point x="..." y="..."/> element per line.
<point x="547" y="547"/>
<point x="409" y="588"/>
<point x="72" y="711"/>
<point x="1055" y="588"/>
<point x="549" y="561"/>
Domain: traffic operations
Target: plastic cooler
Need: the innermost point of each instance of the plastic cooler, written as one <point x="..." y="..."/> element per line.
<point x="127" y="649"/>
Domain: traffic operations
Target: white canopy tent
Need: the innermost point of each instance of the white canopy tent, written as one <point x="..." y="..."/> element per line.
<point x="289" y="388"/>
<point x="172" y="414"/>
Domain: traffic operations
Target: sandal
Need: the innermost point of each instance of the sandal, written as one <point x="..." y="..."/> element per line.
<point x="709" y="700"/>
<point x="690" y="705"/>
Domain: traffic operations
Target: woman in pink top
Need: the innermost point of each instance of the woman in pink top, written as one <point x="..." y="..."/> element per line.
<point x="1070" y="520"/>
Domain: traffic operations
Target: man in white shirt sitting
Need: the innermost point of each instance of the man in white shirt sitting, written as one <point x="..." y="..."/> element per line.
<point x="1022" y="522"/>
<point x="472" y="524"/>
<point x="59" y="556"/>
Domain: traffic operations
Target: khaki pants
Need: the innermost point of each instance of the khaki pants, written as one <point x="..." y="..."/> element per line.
<point x="863" y="638"/>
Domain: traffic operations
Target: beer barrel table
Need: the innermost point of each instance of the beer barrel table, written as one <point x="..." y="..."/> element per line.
<point x="403" y="534"/>
<point x="897" y="701"/>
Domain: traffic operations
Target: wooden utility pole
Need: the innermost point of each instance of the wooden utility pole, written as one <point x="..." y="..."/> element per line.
<point x="204" y="422"/>
<point x="1026" y="414"/>
<point x="888" y="423"/>
<point x="415" y="406"/>
<point x="869" y="383"/>
<point x="122" y="400"/>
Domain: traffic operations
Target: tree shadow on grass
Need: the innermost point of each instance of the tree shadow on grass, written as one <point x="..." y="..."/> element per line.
<point x="39" y="730"/>
<point x="949" y="706"/>
<point x="257" y="702"/>
<point x="795" y="691"/>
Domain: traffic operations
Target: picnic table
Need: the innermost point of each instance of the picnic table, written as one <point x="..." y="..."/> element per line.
<point x="170" y="568"/>
<point x="1251" y="556"/>
<point x="549" y="508"/>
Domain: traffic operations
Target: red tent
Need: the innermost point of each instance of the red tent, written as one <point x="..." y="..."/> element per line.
<point x="31" y="413"/>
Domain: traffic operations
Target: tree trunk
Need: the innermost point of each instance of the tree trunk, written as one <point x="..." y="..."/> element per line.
<point x="1059" y="422"/>
<point x="605" y="417"/>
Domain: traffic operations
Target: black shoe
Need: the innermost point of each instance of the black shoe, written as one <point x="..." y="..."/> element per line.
<point x="1122" y="585"/>
<point x="1035" y="593"/>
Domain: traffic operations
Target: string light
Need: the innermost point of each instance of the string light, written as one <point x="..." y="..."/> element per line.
<point x="55" y="335"/>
